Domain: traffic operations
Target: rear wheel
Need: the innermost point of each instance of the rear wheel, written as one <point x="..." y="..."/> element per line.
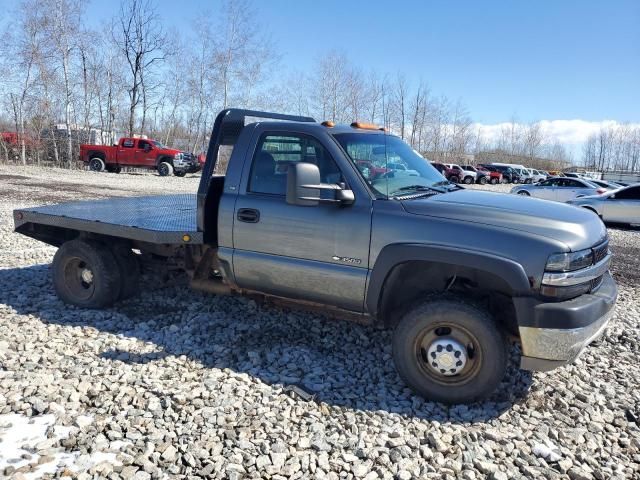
<point x="493" y="181"/>
<point x="468" y="180"/>
<point x="86" y="274"/>
<point x="449" y="351"/>
<point x="483" y="180"/>
<point x="454" y="179"/>
<point x="165" y="169"/>
<point x="524" y="193"/>
<point x="96" y="164"/>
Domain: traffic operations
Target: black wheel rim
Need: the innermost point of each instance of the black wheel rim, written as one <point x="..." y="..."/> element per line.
<point x="163" y="170"/>
<point x="95" y="165"/>
<point x="460" y="335"/>
<point x="78" y="279"/>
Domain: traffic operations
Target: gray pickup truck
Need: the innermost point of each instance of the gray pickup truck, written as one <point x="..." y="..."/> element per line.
<point x="316" y="214"/>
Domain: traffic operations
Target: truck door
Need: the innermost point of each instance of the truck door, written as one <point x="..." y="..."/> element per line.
<point x="126" y="152"/>
<point x="316" y="253"/>
<point x="145" y="156"/>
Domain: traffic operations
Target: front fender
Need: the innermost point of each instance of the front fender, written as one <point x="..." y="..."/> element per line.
<point x="396" y="254"/>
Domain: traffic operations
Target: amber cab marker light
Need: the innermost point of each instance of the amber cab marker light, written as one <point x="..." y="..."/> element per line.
<point x="328" y="124"/>
<point x="186" y="238"/>
<point x="365" y="126"/>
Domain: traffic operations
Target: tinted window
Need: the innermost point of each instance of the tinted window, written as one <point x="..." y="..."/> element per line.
<point x="547" y="183"/>
<point x="631" y="193"/>
<point x="276" y="152"/>
<point x="143" y="143"/>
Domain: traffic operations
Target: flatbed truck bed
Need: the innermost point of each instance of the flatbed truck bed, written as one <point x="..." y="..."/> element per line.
<point x="158" y="219"/>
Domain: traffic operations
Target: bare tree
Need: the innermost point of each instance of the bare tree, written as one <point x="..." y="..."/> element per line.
<point x="140" y="38"/>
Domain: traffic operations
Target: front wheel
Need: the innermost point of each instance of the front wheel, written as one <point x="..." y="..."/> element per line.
<point x="493" y="181"/>
<point x="165" y="169"/>
<point x="482" y="181"/>
<point x="180" y="173"/>
<point x="468" y="180"/>
<point x="449" y="351"/>
<point x="454" y="179"/>
<point x="524" y="193"/>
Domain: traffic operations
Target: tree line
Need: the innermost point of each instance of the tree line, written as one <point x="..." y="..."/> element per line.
<point x="616" y="149"/>
<point x="136" y="74"/>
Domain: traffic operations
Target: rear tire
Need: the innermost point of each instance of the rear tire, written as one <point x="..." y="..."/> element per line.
<point x="96" y="164"/>
<point x="493" y="181"/>
<point x="524" y="193"/>
<point x="165" y="169"/>
<point x="438" y="337"/>
<point x="86" y="274"/>
<point x="454" y="179"/>
<point x="467" y="180"/>
<point x="483" y="180"/>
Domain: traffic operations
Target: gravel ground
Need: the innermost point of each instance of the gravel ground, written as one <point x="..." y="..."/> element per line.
<point x="174" y="383"/>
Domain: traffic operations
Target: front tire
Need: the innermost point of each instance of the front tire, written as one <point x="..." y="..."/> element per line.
<point x="468" y="180"/>
<point x="524" y="193"/>
<point x="180" y="173"/>
<point x="86" y="274"/>
<point x="482" y="181"/>
<point x="165" y="169"/>
<point x="96" y="164"/>
<point x="450" y="352"/>
<point x="494" y="181"/>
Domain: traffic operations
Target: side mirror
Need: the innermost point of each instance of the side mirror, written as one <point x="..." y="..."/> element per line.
<point x="303" y="187"/>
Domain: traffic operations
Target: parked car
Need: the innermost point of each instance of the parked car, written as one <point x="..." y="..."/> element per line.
<point x="400" y="169"/>
<point x="560" y="189"/>
<point x="413" y="254"/>
<point x="495" y="177"/>
<point x="445" y="171"/>
<point x="607" y="185"/>
<point x="482" y="176"/>
<point x="537" y="175"/>
<point x="373" y="172"/>
<point x="461" y="175"/>
<point x="139" y="153"/>
<point x="616" y="206"/>
<point x="555" y="173"/>
<point x="508" y="174"/>
<point x="523" y="173"/>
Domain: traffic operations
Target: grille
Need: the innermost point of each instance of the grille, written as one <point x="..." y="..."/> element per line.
<point x="595" y="283"/>
<point x="601" y="251"/>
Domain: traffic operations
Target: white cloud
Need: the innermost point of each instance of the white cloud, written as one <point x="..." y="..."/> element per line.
<point x="568" y="132"/>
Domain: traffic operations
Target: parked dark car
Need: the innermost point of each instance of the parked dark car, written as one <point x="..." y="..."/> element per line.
<point x="482" y="176"/>
<point x="509" y="175"/>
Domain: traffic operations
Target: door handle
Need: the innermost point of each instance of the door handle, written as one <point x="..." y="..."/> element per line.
<point x="248" y="215"/>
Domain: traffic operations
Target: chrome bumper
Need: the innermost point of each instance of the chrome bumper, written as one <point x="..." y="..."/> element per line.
<point x="544" y="349"/>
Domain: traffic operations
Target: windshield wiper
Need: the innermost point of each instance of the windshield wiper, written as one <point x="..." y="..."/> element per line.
<point x="417" y="188"/>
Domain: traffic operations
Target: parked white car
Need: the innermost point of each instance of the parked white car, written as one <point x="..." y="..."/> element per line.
<point x="619" y="206"/>
<point x="464" y="176"/>
<point x="537" y="175"/>
<point x="560" y="189"/>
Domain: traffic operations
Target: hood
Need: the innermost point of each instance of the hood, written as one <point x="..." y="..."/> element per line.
<point x="573" y="226"/>
<point x="170" y="151"/>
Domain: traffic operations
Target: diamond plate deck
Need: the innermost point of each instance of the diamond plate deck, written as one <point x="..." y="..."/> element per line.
<point x="155" y="219"/>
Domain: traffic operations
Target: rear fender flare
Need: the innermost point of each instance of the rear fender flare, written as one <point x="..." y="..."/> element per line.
<point x="394" y="255"/>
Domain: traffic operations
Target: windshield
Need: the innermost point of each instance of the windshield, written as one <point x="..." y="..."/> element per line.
<point x="158" y="144"/>
<point x="389" y="165"/>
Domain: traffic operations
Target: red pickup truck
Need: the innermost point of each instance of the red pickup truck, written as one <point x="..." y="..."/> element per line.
<point x="140" y="153"/>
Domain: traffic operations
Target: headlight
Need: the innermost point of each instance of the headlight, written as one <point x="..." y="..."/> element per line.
<point x="178" y="155"/>
<point x="568" y="262"/>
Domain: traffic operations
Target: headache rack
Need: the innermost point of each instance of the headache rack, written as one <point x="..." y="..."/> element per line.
<point x="226" y="130"/>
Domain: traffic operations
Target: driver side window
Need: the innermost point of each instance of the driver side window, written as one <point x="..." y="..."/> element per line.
<point x="274" y="154"/>
<point x="629" y="194"/>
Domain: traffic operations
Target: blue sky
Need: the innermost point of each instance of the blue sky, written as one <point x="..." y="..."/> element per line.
<point x="535" y="60"/>
<point x="575" y="65"/>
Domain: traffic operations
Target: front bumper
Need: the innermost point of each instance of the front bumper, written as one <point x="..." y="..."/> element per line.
<point x="584" y="319"/>
<point x="187" y="165"/>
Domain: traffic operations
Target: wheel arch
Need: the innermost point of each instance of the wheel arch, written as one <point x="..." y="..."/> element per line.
<point x="404" y="273"/>
<point x="96" y="154"/>
<point x="164" y="158"/>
